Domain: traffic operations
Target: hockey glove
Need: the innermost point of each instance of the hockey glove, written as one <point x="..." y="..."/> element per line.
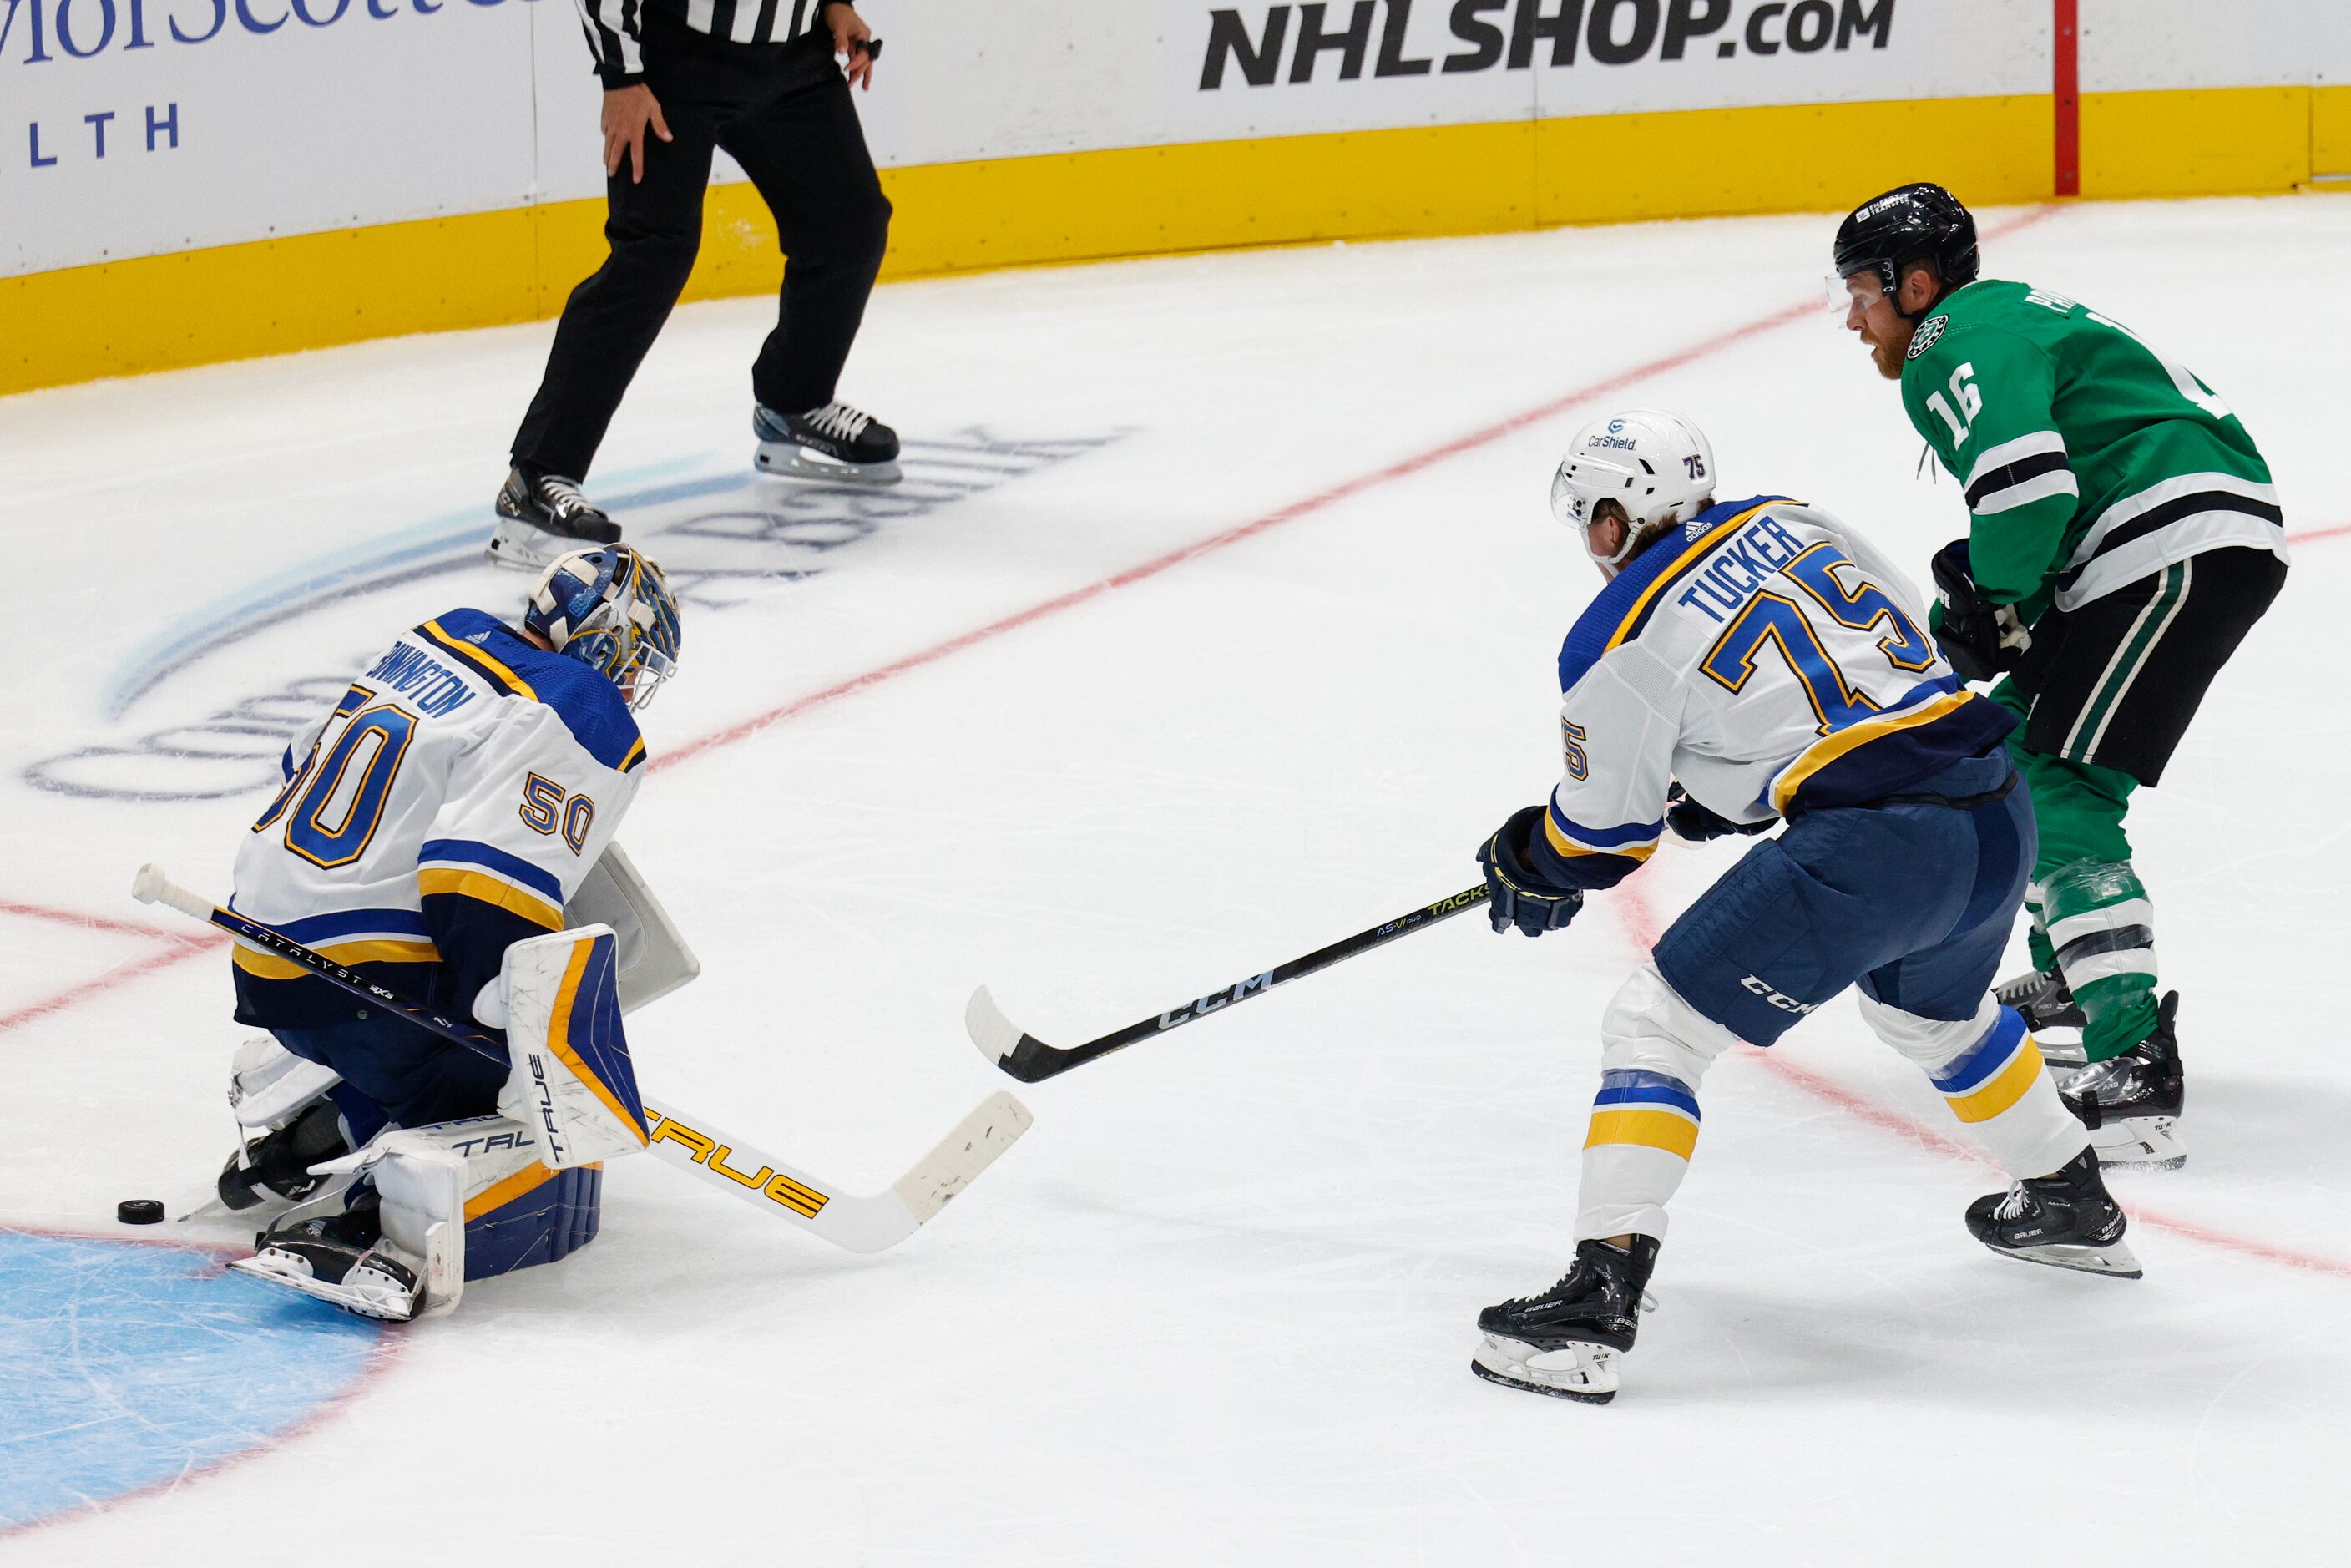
<point x="1981" y="639"/>
<point x="1522" y="896"/>
<point x="1691" y="821"/>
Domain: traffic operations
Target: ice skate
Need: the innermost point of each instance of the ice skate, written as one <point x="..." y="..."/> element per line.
<point x="2132" y="1102"/>
<point x="835" y="441"/>
<point x="2047" y="1003"/>
<point x="2065" y="1219"/>
<point x="1568" y="1340"/>
<point x="543" y="516"/>
<point x="340" y="1260"/>
<point x="276" y="1165"/>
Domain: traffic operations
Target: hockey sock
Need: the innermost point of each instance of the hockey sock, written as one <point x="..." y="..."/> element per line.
<point x="2102" y="926"/>
<point x="1990" y="1072"/>
<point x="1656" y="1048"/>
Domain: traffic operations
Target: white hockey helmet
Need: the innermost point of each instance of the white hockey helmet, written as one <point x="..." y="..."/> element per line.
<point x="1656" y="465"/>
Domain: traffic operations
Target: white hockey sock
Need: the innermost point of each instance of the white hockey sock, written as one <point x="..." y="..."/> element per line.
<point x="1656" y="1048"/>
<point x="1989" y="1069"/>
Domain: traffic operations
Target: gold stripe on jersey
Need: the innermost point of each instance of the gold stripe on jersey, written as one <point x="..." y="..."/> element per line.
<point x="1828" y="748"/>
<point x="479" y="661"/>
<point x="483" y="888"/>
<point x="1691" y="556"/>
<point x="271" y="966"/>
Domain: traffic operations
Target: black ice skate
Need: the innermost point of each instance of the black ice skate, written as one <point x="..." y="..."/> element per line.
<point x="2131" y="1102"/>
<point x="2065" y="1219"/>
<point x="543" y="516"/>
<point x="340" y="1260"/>
<point x="279" y="1163"/>
<point x="2044" y="1000"/>
<point x="835" y="441"/>
<point x="1567" y="1342"/>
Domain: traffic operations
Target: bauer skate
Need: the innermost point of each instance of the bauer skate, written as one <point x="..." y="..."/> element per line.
<point x="835" y="441"/>
<point x="543" y="516"/>
<point x="1567" y="1342"/>
<point x="340" y="1260"/>
<point x="2066" y="1219"/>
<point x="2132" y="1102"/>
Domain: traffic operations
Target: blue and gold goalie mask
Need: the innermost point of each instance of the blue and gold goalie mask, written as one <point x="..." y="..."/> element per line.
<point x="611" y="609"/>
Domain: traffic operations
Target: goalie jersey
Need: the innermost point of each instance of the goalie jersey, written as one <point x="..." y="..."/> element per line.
<point x="448" y="806"/>
<point x="1770" y="660"/>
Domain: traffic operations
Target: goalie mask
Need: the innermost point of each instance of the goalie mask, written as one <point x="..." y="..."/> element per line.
<point x="611" y="609"/>
<point x="1654" y="464"/>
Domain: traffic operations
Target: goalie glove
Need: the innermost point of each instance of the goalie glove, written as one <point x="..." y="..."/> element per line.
<point x="1982" y="640"/>
<point x="1697" y="824"/>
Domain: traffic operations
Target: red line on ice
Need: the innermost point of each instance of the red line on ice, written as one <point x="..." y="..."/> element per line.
<point x="1640" y="926"/>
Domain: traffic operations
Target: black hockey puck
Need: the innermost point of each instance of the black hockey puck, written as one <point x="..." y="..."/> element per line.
<point x="140" y="1211"/>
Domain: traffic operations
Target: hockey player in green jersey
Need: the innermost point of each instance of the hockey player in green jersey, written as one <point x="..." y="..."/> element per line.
<point x="2123" y="536"/>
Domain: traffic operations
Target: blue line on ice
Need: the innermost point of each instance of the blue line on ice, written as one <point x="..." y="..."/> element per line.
<point x="126" y="1365"/>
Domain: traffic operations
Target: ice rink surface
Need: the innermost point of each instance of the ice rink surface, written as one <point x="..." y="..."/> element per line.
<point x="1217" y="1308"/>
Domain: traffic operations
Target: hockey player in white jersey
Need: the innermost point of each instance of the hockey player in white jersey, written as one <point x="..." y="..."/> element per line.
<point x="431" y="831"/>
<point x="1748" y="662"/>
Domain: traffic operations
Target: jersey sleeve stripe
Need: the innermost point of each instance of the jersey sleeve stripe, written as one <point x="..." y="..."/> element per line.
<point x="2021" y="483"/>
<point x="477" y="661"/>
<point x="483" y="888"/>
<point x="349" y="925"/>
<point x="473" y="852"/>
<point x="633" y="755"/>
<point x="1561" y="825"/>
<point x="2040" y="444"/>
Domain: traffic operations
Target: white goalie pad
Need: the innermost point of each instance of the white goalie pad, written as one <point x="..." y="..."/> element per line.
<point x="654" y="959"/>
<point x="570" y="1079"/>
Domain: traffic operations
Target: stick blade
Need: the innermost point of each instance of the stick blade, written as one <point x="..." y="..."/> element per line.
<point x="1001" y="1040"/>
<point x="994" y="1125"/>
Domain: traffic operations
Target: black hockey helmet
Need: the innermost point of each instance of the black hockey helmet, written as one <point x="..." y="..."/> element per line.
<point x="1909" y="223"/>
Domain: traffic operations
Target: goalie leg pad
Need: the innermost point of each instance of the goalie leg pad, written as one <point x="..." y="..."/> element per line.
<point x="571" y="1080"/>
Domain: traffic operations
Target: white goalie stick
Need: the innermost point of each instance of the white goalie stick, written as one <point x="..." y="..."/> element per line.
<point x="858" y="1221"/>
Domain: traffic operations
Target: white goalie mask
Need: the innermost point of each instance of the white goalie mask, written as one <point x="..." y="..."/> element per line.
<point x="1656" y="465"/>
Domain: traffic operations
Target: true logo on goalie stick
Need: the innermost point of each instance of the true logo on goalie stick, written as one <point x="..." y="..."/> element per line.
<point x="1924" y="338"/>
<point x="711" y="1155"/>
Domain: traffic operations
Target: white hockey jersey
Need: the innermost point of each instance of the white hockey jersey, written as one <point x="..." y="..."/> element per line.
<point x="1768" y="658"/>
<point x="449" y="806"/>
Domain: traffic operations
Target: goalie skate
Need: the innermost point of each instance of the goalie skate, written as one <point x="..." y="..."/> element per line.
<point x="367" y="1281"/>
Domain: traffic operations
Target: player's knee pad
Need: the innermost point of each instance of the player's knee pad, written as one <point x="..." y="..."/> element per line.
<point x="1650" y="1028"/>
<point x="471" y="1199"/>
<point x="2101" y="922"/>
<point x="1929" y="1042"/>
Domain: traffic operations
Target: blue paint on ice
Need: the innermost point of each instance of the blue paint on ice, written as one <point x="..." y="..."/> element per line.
<point x="123" y="1365"/>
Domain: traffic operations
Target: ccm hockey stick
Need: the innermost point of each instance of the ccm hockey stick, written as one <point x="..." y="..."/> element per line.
<point x="859" y="1222"/>
<point x="1031" y="1061"/>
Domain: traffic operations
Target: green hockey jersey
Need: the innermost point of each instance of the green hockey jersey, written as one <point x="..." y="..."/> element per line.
<point x="2089" y="460"/>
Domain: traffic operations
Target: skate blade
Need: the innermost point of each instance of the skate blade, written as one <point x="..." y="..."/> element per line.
<point x="1579" y="1370"/>
<point x="2141" y="1143"/>
<point x="787" y="460"/>
<point x="2115" y="1260"/>
<point x="525" y="546"/>
<point x="384" y="1306"/>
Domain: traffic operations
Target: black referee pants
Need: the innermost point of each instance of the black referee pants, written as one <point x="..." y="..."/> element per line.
<point x="783" y="112"/>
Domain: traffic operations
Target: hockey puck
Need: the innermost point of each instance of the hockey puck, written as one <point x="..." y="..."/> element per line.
<point x="140" y="1211"/>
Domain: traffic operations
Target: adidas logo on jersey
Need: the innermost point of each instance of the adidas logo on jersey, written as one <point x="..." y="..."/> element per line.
<point x="1924" y="338"/>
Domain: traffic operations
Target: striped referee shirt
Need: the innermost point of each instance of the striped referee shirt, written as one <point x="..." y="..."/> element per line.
<point x="615" y="26"/>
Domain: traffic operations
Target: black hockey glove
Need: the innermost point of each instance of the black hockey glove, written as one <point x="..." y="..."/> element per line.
<point x="1981" y="639"/>
<point x="1691" y="821"/>
<point x="1520" y="896"/>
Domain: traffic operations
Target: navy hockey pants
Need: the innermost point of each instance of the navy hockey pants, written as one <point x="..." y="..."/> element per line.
<point x="394" y="1071"/>
<point x="1914" y="903"/>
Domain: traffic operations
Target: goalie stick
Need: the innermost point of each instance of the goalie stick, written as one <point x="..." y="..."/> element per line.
<point x="1031" y="1061"/>
<point x="859" y="1222"/>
